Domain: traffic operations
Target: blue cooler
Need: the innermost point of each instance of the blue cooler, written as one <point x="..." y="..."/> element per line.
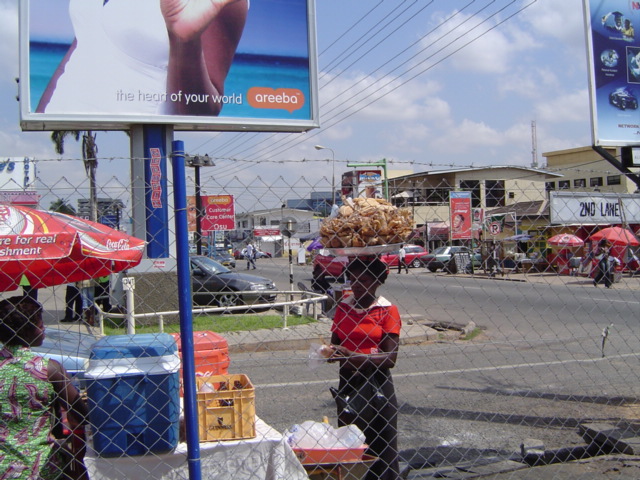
<point x="133" y="391"/>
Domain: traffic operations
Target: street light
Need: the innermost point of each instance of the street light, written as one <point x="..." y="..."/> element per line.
<point x="196" y="162"/>
<point x="333" y="171"/>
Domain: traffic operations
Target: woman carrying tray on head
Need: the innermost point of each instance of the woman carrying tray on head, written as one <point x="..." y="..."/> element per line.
<point x="365" y="338"/>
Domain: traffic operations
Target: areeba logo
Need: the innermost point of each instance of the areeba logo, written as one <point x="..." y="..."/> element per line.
<point x="289" y="99"/>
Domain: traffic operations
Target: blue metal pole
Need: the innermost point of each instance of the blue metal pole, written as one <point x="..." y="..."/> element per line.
<point x="186" y="316"/>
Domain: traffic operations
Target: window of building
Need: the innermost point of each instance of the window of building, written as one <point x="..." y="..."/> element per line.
<point x="580" y="183"/>
<point x="614" y="180"/>
<point x="494" y="193"/>
<point x="563" y="185"/>
<point x="550" y="186"/>
<point x="436" y="196"/>
<point x="472" y="186"/>
<point x="595" y="182"/>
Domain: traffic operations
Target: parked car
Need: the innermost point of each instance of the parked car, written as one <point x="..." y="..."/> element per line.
<point x="223" y="256"/>
<point x="437" y="259"/>
<point x="213" y="284"/>
<point x="413" y="256"/>
<point x="326" y="264"/>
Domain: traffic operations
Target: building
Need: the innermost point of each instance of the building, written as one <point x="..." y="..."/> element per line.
<point x="263" y="227"/>
<point x="109" y="211"/>
<point x="496" y="187"/>
<point x="584" y="170"/>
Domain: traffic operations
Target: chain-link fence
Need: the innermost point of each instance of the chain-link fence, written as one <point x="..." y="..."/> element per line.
<point x="504" y="337"/>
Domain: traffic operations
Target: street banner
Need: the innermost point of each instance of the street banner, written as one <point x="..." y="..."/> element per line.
<point x="461" y="215"/>
<point x="570" y="208"/>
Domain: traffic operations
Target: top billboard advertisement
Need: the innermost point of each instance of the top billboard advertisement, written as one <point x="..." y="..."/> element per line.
<point x="613" y="48"/>
<point x="231" y="65"/>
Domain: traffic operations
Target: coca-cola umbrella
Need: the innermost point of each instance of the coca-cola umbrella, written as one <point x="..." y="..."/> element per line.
<point x="616" y="236"/>
<point x="51" y="248"/>
<point x="565" y="240"/>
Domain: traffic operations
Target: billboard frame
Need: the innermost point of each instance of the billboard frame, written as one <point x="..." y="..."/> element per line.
<point x="612" y="125"/>
<point x="32" y="121"/>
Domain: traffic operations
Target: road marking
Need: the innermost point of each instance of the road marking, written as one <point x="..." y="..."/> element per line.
<point x="465" y="370"/>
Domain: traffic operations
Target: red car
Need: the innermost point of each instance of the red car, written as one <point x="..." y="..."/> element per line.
<point x="329" y="265"/>
<point x="413" y="256"/>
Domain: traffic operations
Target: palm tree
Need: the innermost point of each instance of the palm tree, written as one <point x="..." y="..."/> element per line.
<point x="62" y="206"/>
<point x="89" y="157"/>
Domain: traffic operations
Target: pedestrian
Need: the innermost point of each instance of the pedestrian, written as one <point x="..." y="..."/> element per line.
<point x="27" y="289"/>
<point x="364" y="340"/>
<point x="87" y="291"/>
<point x="402" y="260"/>
<point x="250" y="255"/>
<point x="73" y="304"/>
<point x="605" y="269"/>
<point x="103" y="293"/>
<point x="35" y="389"/>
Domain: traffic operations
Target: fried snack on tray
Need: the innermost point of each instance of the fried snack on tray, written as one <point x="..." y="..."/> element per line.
<point x="364" y="222"/>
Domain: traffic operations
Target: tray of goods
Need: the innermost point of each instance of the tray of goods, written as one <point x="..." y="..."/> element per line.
<point x="366" y="226"/>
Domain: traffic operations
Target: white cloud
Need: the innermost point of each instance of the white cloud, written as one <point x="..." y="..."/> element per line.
<point x="573" y="107"/>
<point x="375" y="99"/>
<point x="559" y="20"/>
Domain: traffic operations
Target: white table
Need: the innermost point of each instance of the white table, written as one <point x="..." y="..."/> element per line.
<point x="268" y="457"/>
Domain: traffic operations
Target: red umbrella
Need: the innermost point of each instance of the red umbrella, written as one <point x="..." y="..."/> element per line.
<point x="51" y="248"/>
<point x="565" y="240"/>
<point x="616" y="236"/>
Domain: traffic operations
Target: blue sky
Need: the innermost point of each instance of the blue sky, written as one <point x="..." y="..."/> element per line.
<point x="424" y="84"/>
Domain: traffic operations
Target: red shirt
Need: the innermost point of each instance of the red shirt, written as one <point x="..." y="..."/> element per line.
<point x="362" y="330"/>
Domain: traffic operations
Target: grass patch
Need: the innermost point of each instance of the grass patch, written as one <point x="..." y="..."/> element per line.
<point x="472" y="334"/>
<point x="218" y="324"/>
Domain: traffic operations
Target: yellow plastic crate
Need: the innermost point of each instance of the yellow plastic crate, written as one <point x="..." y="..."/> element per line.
<point x="229" y="412"/>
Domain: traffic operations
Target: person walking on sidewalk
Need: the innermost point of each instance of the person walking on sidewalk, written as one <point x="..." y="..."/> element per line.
<point x="250" y="253"/>
<point x="402" y="260"/>
<point x="73" y="304"/>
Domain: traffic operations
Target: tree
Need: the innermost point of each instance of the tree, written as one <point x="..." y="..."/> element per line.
<point x="89" y="158"/>
<point x="62" y="206"/>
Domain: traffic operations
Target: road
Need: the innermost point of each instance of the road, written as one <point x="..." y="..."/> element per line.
<point x="537" y="371"/>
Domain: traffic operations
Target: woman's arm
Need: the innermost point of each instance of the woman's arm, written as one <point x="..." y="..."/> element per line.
<point x="385" y="357"/>
<point x="48" y="92"/>
<point x="67" y="395"/>
<point x="203" y="37"/>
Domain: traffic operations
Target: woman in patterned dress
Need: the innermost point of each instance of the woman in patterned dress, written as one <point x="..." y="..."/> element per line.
<point x="32" y="389"/>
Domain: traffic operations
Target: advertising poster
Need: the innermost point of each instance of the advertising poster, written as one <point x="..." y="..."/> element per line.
<point x="461" y="215"/>
<point x="370" y="183"/>
<point x="228" y="65"/>
<point x="613" y="47"/>
<point x="219" y="213"/>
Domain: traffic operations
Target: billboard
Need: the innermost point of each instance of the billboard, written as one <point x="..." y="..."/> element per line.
<point x="91" y="64"/>
<point x="613" y="49"/>
<point x="369" y="183"/>
<point x="461" y="215"/>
